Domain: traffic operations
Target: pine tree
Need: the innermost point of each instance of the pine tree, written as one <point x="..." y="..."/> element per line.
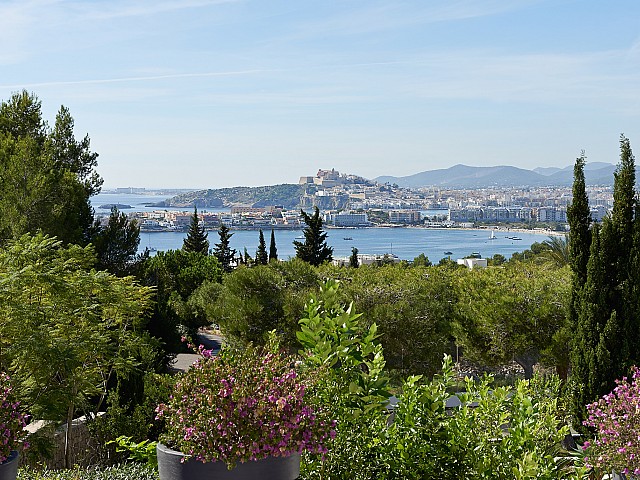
<point x="273" y="251"/>
<point x="314" y="249"/>
<point x="261" y="253"/>
<point x="196" y="239"/>
<point x="353" y="259"/>
<point x="116" y="243"/>
<point x="222" y="251"/>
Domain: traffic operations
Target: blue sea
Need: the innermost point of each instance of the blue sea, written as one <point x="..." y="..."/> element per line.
<point x="406" y="243"/>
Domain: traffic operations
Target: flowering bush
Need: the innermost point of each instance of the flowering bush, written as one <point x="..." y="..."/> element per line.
<point x="244" y="405"/>
<point x="616" y="418"/>
<point x="12" y="421"/>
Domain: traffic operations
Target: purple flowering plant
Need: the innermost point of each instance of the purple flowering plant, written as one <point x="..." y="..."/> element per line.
<point x="245" y="405"/>
<point x="12" y="420"/>
<point x="616" y="419"/>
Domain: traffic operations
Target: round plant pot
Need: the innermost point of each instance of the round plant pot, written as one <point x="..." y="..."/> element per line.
<point x="171" y="467"/>
<point x="9" y="468"/>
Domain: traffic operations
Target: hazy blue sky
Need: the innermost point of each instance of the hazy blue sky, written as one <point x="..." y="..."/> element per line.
<point x="197" y="93"/>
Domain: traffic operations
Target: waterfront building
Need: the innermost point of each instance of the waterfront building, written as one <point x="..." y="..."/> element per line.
<point x="345" y="219"/>
<point x="407" y="217"/>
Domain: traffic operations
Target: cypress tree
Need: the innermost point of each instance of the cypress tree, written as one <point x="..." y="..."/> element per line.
<point x="261" y="254"/>
<point x="314" y="249"/>
<point x="604" y="306"/>
<point x="273" y="251"/>
<point x="196" y="239"/>
<point x="353" y="259"/>
<point x="579" y="221"/>
<point x="222" y="250"/>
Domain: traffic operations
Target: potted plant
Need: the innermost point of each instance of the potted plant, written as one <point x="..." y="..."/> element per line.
<point x="616" y="420"/>
<point x="12" y="423"/>
<point x="241" y="414"/>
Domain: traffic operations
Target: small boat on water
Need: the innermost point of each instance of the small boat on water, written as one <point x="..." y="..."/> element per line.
<point x="347" y="238"/>
<point x="448" y="253"/>
<point x="492" y="236"/>
<point x="301" y="237"/>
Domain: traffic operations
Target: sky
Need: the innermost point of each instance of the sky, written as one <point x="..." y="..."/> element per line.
<point x="220" y="93"/>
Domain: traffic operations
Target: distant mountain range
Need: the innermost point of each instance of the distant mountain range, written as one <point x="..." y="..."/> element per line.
<point x="464" y="176"/>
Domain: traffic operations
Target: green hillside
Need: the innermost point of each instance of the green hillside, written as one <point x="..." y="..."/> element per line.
<point x="287" y="195"/>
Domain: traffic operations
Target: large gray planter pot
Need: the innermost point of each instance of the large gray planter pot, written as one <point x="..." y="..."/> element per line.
<point x="170" y="467"/>
<point x="9" y="468"/>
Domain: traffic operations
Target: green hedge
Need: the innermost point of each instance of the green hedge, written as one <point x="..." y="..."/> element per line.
<point x="126" y="471"/>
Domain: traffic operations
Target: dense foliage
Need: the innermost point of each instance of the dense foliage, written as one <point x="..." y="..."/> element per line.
<point x="66" y="331"/>
<point x="116" y="244"/>
<point x="515" y="312"/>
<point x="46" y="174"/>
<point x="253" y="301"/>
<point x="127" y="471"/>
<point x="484" y="433"/>
<point x="177" y="276"/>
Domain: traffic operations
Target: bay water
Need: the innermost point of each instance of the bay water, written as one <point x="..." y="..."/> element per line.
<point x="407" y="243"/>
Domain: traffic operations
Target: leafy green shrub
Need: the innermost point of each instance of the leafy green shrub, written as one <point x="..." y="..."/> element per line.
<point x="499" y="433"/>
<point x="133" y="417"/>
<point x="127" y="471"/>
<point x="144" y="451"/>
<point x="493" y="433"/>
<point x="354" y="387"/>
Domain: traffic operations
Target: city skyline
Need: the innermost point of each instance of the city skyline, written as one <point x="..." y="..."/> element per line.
<point x="219" y="93"/>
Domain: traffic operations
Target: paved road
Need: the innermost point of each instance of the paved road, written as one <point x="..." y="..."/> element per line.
<point x="210" y="341"/>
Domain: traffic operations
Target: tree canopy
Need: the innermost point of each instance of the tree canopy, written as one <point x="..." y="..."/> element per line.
<point x="46" y="175"/>
<point x="65" y="330"/>
<point x="513" y="312"/>
<point x="116" y="243"/>
<point x="176" y="276"/>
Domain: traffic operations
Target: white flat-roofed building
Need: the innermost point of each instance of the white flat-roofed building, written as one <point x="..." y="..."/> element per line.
<point x="347" y="219"/>
<point x="472" y="263"/>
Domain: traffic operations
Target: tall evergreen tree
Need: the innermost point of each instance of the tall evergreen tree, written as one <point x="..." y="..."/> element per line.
<point x="223" y="251"/>
<point x="273" y="251"/>
<point x="196" y="239"/>
<point x="247" y="258"/>
<point x="604" y="311"/>
<point x="579" y="217"/>
<point x="116" y="243"/>
<point x="353" y="259"/>
<point x="314" y="249"/>
<point x="261" y="254"/>
<point x="46" y="175"/>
